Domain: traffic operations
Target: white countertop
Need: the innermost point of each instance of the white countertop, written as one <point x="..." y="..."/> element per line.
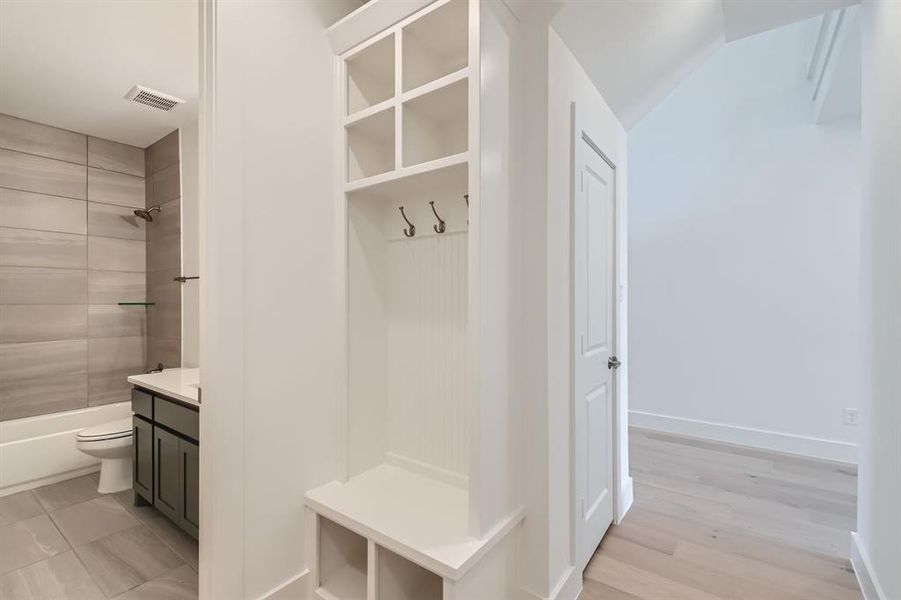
<point x="180" y="384"/>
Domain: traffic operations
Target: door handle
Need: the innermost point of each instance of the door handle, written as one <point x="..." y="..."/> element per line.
<point x="613" y="363"/>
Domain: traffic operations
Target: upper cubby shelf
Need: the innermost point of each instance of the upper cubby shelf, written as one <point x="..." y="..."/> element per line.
<point x="370" y="145"/>
<point x="450" y="171"/>
<point x="407" y="98"/>
<point x="436" y="124"/>
<point x="370" y="75"/>
<point x="435" y="45"/>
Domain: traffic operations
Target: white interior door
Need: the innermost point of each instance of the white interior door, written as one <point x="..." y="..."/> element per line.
<point x="593" y="337"/>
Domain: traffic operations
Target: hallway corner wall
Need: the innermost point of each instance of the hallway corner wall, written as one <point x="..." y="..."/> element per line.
<point x="879" y="493"/>
<point x="745" y="256"/>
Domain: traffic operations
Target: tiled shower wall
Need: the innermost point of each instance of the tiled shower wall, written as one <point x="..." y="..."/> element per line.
<point x="70" y="251"/>
<point x="164" y="253"/>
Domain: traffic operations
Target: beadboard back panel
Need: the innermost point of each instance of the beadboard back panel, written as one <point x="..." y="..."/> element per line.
<point x="407" y="331"/>
<point x="427" y="295"/>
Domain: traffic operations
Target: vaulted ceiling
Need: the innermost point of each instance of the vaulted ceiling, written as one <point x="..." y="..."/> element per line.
<point x="636" y="52"/>
<point x="68" y="63"/>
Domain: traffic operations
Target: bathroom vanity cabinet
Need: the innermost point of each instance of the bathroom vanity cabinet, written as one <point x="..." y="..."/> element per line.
<point x="166" y="457"/>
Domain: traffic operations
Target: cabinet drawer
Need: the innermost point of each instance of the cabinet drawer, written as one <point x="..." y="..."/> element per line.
<point x="142" y="403"/>
<point x="177" y="417"/>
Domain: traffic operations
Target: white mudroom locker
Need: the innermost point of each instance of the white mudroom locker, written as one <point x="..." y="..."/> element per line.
<point x="426" y="508"/>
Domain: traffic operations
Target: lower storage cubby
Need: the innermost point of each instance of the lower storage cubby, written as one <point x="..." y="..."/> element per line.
<point x="400" y="579"/>
<point x="417" y="544"/>
<point x="342" y="563"/>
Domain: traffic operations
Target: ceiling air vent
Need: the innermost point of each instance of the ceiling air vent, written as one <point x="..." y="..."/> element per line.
<point x="152" y="98"/>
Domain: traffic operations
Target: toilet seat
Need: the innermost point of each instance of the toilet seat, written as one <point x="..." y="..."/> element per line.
<point x="121" y="428"/>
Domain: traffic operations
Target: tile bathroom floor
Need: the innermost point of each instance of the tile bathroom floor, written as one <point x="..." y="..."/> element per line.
<point x="66" y="541"/>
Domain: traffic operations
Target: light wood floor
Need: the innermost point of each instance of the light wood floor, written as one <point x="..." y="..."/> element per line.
<point x="715" y="522"/>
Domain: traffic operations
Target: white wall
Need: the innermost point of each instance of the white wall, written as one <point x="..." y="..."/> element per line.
<point x="568" y="83"/>
<point x="190" y="245"/>
<point x="532" y="355"/>
<point x="744" y="255"/>
<point x="547" y="568"/>
<point x="879" y="496"/>
<point x="269" y="324"/>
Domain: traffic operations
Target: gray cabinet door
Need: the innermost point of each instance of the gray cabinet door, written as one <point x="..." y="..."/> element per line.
<point x="166" y="458"/>
<point x="142" y="459"/>
<point x="189" y="478"/>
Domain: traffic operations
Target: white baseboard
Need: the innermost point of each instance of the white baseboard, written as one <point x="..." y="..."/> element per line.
<point x="295" y="588"/>
<point x="844" y="452"/>
<point x="626" y="498"/>
<point x="570" y="584"/>
<point x="41" y="450"/>
<point x="568" y="588"/>
<point x="869" y="585"/>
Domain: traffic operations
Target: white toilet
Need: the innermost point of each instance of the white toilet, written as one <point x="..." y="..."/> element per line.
<point x="111" y="443"/>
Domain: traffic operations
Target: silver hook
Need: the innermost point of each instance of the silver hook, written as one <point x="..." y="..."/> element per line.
<point x="411" y="230"/>
<point x="441" y="226"/>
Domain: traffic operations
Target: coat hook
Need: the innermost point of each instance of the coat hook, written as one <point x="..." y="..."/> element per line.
<point x="411" y="230"/>
<point x="441" y="226"/>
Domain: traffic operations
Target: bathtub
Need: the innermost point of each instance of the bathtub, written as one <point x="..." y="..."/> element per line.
<point x="36" y="451"/>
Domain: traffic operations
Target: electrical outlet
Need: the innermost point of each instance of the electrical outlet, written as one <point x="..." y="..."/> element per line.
<point x="851" y="416"/>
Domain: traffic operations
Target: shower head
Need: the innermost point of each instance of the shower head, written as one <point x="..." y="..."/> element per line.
<point x="147" y="214"/>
